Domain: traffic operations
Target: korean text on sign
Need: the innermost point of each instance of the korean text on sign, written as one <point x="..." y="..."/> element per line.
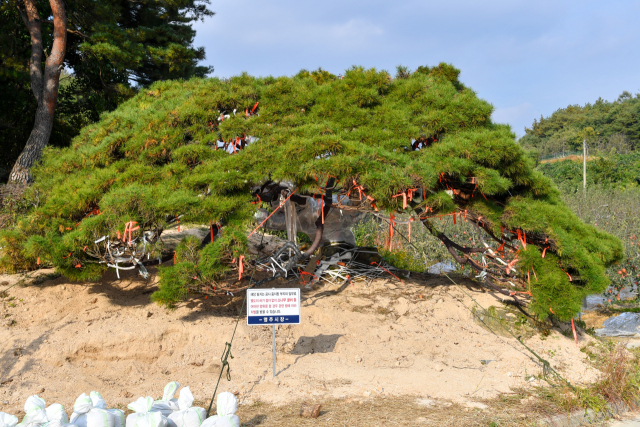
<point x="273" y="306"/>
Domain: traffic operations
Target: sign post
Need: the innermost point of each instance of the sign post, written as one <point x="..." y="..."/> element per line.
<point x="273" y="307"/>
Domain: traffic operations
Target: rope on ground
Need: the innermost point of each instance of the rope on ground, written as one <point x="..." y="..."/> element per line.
<point x="226" y="353"/>
<point x="19" y="282"/>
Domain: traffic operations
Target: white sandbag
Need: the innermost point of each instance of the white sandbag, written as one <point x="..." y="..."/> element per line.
<point x="143" y="417"/>
<point x="168" y="404"/>
<point x="7" y="420"/>
<point x="187" y="416"/>
<point x="99" y="402"/>
<point x="226" y="407"/>
<point x="86" y="415"/>
<point x="35" y="413"/>
<point x="56" y="415"/>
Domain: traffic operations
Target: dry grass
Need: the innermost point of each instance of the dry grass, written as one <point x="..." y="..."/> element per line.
<point x="573" y="158"/>
<point x="522" y="407"/>
<point x="515" y="409"/>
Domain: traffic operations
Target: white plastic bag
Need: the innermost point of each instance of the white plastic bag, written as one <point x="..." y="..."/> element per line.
<point x="7" y="420"/>
<point x="168" y="404"/>
<point x="35" y="414"/>
<point x="57" y="416"/>
<point x="187" y="416"/>
<point x="143" y="417"/>
<point x="86" y="415"/>
<point x="99" y="402"/>
<point x="226" y="406"/>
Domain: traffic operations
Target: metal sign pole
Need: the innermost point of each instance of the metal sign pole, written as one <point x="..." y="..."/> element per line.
<point x="584" y="166"/>
<point x="274" y="351"/>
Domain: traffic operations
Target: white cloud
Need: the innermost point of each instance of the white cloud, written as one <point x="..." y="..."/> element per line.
<point x="513" y="53"/>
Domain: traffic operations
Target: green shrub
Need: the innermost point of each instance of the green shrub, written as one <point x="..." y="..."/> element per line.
<point x="194" y="266"/>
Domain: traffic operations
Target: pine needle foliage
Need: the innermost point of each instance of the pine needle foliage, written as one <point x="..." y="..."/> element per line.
<point x="155" y="157"/>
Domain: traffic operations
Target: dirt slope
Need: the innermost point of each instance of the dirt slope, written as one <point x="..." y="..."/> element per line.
<point x="59" y="339"/>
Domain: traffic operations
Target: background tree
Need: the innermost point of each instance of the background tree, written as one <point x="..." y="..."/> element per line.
<point x="607" y="125"/>
<point x="112" y="48"/>
<point x="44" y="84"/>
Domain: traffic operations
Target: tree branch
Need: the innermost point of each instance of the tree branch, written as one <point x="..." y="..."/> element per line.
<point x="453" y="247"/>
<point x="69" y="30"/>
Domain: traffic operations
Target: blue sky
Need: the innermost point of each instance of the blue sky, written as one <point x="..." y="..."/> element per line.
<point x="527" y="58"/>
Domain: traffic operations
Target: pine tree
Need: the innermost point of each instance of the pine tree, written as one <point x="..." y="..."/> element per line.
<point x="422" y="144"/>
<point x="106" y="44"/>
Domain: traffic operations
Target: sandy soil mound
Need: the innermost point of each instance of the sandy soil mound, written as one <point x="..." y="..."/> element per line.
<point x="59" y="339"/>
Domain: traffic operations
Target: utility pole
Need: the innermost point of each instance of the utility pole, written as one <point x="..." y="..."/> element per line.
<point x="584" y="166"/>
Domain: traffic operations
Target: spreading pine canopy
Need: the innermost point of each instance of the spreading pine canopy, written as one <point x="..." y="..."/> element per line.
<point x="155" y="157"/>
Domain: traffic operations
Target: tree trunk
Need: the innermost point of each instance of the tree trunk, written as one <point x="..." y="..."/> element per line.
<point x="45" y="87"/>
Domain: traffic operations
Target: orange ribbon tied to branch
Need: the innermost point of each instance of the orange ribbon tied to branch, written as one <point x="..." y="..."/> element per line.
<point x="404" y="199"/>
<point x="274" y="211"/>
<point x="391" y="232"/>
<point x="129" y="228"/>
<point x="240" y="267"/>
<point x="399" y="279"/>
<point x="522" y="237"/>
<point x="360" y="188"/>
<point x="511" y="264"/>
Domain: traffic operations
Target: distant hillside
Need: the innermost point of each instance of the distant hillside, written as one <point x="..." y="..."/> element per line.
<point x="619" y="170"/>
<point x="607" y="126"/>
